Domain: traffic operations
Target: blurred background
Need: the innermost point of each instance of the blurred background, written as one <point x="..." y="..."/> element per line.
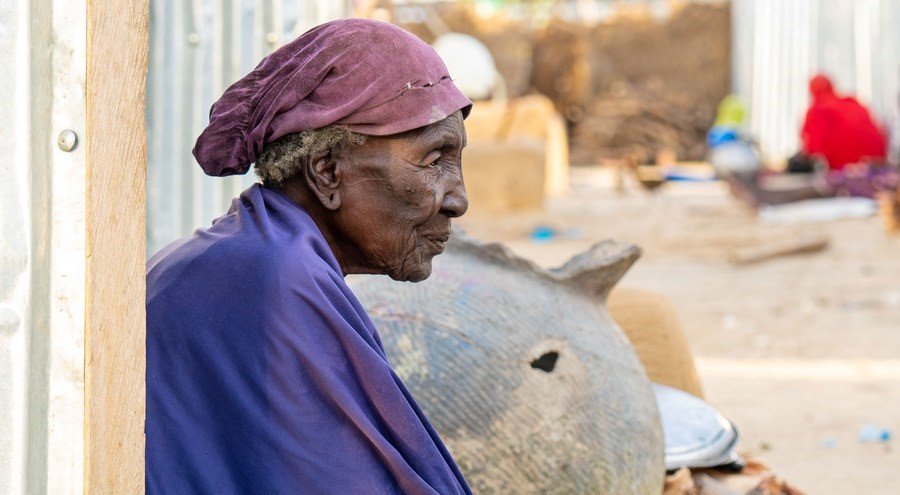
<point x="669" y="124"/>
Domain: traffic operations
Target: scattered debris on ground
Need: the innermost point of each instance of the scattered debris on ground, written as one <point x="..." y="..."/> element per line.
<point x="755" y="479"/>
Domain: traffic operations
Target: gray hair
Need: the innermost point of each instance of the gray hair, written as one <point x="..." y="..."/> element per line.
<point x="284" y="158"/>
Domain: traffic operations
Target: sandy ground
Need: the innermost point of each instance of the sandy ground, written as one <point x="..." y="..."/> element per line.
<point x="800" y="352"/>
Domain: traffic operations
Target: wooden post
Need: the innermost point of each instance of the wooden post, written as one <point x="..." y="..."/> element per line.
<point x="117" y="45"/>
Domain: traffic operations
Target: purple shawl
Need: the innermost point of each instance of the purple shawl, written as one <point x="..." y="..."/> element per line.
<point x="265" y="375"/>
<point x="370" y="76"/>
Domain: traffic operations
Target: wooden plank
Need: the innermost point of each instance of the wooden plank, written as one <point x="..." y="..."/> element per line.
<point x="786" y="246"/>
<point x="117" y="44"/>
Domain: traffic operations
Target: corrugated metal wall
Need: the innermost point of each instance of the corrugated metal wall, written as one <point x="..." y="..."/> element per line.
<point x="779" y="44"/>
<point x="43" y="54"/>
<point x="197" y="49"/>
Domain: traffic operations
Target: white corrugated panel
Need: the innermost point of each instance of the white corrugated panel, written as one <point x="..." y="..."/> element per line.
<point x="778" y="45"/>
<point x="197" y="49"/>
<point x="42" y="246"/>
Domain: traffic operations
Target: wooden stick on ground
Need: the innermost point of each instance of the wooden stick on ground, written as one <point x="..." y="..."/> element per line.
<point x="783" y="247"/>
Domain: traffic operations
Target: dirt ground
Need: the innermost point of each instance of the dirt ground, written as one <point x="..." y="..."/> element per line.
<point x="800" y="352"/>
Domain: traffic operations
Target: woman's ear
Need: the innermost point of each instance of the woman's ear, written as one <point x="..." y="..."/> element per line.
<point x="323" y="176"/>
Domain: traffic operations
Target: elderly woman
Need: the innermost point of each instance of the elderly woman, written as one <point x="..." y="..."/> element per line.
<point x="264" y="373"/>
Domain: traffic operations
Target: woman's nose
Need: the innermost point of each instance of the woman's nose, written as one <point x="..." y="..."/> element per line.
<point x="455" y="202"/>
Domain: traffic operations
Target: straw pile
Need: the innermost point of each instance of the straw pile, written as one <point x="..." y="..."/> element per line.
<point x="630" y="87"/>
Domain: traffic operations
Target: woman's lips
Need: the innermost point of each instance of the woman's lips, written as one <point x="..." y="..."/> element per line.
<point x="438" y="241"/>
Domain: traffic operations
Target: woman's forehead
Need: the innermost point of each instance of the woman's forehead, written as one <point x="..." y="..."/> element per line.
<point x="451" y="129"/>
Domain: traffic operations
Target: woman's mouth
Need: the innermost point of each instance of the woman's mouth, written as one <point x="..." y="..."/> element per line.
<point x="438" y="241"/>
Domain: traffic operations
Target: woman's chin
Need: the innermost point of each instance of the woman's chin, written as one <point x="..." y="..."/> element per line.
<point x="418" y="273"/>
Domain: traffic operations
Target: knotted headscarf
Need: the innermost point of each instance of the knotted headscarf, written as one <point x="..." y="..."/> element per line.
<point x="370" y="76"/>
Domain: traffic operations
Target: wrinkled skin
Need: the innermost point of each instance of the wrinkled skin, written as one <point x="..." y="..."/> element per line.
<point x="385" y="206"/>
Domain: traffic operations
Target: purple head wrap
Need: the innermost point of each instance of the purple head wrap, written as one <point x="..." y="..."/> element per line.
<point x="370" y="76"/>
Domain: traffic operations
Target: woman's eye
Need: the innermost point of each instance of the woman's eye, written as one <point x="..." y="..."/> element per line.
<point x="433" y="159"/>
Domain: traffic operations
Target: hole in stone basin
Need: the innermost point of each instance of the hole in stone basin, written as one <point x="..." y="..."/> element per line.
<point x="546" y="362"/>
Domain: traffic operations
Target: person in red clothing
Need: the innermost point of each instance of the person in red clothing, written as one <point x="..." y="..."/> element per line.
<point x="838" y="131"/>
<point x="839" y="134"/>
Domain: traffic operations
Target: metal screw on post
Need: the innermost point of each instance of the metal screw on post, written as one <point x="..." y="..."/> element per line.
<point x="67" y="140"/>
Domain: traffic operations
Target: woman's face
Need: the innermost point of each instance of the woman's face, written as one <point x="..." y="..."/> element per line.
<point x="398" y="196"/>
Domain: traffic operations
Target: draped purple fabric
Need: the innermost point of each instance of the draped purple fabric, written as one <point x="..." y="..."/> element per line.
<point x="371" y="76"/>
<point x="265" y="375"/>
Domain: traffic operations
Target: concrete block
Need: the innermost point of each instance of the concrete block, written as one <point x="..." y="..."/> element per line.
<point x="503" y="177"/>
<point x="529" y="117"/>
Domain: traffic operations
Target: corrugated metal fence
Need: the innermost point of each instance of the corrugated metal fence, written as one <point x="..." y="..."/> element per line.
<point x="779" y="44"/>
<point x="197" y="49"/>
<point x="42" y="246"/>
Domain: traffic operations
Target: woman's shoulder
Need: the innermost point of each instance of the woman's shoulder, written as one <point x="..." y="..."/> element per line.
<point x="255" y="241"/>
